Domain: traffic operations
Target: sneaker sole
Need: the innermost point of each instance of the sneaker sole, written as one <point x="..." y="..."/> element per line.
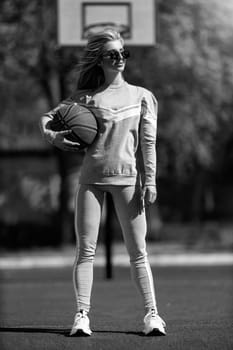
<point x="80" y="333"/>
<point x="155" y="332"/>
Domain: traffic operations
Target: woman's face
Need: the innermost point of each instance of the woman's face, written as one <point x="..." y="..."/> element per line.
<point x="114" y="57"/>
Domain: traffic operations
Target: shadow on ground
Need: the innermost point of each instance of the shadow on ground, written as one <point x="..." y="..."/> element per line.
<point x="61" y="331"/>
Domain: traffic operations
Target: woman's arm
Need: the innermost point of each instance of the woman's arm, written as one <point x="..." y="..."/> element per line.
<point x="148" y="131"/>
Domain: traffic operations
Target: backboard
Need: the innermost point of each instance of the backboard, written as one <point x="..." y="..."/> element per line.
<point x="134" y="19"/>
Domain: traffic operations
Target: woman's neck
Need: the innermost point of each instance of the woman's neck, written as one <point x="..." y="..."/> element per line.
<point x="115" y="80"/>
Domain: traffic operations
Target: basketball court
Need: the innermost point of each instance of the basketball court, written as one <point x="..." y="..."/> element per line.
<point x="37" y="303"/>
<point x="37" y="308"/>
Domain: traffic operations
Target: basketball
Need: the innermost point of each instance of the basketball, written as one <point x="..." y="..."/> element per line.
<point x="80" y="120"/>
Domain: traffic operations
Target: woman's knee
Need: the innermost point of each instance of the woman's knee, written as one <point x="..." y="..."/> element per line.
<point x="86" y="249"/>
<point x="138" y="256"/>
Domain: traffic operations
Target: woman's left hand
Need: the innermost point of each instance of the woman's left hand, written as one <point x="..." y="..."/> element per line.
<point x="149" y="194"/>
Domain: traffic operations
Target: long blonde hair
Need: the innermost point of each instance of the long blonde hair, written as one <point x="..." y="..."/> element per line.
<point x="91" y="75"/>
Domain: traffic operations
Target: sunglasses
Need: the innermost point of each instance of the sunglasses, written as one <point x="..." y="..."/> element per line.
<point x="116" y="55"/>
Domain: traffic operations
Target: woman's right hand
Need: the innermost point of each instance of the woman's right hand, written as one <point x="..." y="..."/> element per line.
<point x="58" y="139"/>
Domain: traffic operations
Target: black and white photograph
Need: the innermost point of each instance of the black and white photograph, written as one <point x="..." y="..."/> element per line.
<point x="116" y="174"/>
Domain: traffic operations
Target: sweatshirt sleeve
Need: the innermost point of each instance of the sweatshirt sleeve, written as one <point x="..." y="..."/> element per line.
<point x="148" y="132"/>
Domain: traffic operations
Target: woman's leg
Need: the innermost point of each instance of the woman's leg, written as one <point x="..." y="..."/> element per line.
<point x="127" y="201"/>
<point x="87" y="220"/>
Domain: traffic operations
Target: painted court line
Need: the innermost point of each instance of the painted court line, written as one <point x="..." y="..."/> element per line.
<point x="191" y="259"/>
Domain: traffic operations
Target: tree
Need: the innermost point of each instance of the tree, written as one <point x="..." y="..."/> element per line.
<point x="29" y="53"/>
<point x="191" y="74"/>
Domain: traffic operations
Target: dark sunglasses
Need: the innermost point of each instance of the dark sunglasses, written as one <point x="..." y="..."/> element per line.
<point x="116" y="55"/>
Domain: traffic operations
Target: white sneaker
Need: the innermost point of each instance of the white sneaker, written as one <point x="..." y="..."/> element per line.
<point x="154" y="324"/>
<point x="81" y="324"/>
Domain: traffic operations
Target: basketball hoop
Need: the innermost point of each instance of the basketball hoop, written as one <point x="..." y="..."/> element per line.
<point x="135" y="20"/>
<point x="124" y="30"/>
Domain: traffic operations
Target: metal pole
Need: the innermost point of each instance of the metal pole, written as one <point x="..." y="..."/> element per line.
<point x="108" y="237"/>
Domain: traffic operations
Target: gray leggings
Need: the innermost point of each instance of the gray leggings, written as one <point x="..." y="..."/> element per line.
<point x="89" y="204"/>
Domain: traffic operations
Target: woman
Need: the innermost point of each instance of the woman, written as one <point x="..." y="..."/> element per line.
<point x="127" y="119"/>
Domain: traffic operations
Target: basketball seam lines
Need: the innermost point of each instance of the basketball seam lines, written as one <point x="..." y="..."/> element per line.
<point x="66" y="125"/>
<point x="72" y="118"/>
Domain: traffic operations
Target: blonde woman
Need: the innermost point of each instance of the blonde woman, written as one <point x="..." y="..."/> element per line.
<point x="127" y="119"/>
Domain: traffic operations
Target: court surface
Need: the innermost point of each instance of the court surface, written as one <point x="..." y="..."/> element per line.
<point x="37" y="309"/>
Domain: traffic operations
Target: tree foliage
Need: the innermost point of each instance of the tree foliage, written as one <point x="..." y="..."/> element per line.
<point x="34" y="71"/>
<point x="191" y="73"/>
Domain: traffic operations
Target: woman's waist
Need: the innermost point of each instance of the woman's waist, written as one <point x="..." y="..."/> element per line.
<point x="110" y="165"/>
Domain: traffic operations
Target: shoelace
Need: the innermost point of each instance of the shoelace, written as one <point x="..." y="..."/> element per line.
<point x="156" y="316"/>
<point x="153" y="314"/>
<point x="81" y="314"/>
